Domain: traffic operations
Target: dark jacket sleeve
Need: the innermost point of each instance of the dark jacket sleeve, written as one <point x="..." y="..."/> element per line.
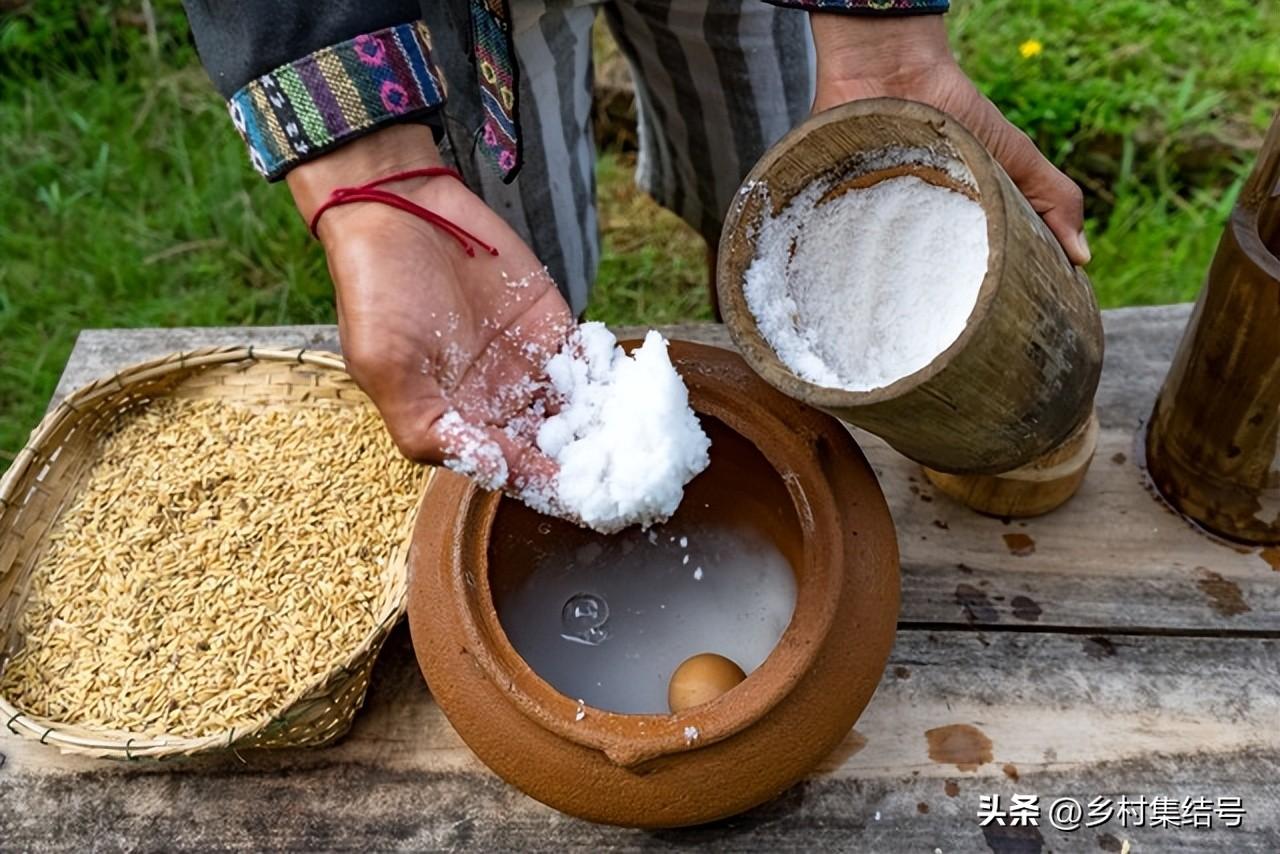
<point x="303" y="78"/>
<point x="869" y="7"/>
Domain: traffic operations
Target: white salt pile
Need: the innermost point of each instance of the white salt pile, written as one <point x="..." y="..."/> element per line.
<point x="869" y="286"/>
<point x="624" y="438"/>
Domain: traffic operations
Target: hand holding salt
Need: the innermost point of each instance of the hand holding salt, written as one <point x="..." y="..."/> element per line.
<point x="618" y="429"/>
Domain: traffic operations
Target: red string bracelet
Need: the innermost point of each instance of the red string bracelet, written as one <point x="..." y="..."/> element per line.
<point x="370" y="193"/>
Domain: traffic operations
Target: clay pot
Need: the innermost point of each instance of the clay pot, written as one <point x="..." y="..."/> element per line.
<point x="1020" y="379"/>
<point x="786" y="470"/>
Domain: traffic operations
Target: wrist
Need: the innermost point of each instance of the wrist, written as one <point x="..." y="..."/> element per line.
<point x="395" y="148"/>
<point x="892" y="51"/>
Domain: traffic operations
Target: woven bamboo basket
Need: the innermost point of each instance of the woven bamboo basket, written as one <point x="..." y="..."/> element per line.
<point x="62" y="449"/>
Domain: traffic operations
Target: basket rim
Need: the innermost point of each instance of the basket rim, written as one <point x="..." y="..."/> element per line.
<point x="120" y="743"/>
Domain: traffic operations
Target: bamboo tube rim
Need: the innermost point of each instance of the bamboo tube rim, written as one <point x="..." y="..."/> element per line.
<point x="742" y="322"/>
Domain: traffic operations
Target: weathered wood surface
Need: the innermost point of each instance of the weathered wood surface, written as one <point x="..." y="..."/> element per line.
<point x="1070" y="716"/>
<point x="1104" y="663"/>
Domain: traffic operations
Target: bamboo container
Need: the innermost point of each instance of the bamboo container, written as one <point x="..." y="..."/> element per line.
<point x="1213" y="445"/>
<point x="989" y="416"/>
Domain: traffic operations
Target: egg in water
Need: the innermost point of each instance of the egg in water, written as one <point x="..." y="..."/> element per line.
<point x="701" y="679"/>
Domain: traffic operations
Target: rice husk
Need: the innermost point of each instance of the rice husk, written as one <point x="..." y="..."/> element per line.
<point x="218" y="560"/>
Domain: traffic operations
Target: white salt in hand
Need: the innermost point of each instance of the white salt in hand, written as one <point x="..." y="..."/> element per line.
<point x="870" y="286"/>
<point x="479" y="457"/>
<point x="624" y="440"/>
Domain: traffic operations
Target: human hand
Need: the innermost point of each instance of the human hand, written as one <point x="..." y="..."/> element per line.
<point x="909" y="57"/>
<point x="426" y="329"/>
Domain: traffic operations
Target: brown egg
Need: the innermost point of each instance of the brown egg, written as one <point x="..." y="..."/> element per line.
<point x="700" y="680"/>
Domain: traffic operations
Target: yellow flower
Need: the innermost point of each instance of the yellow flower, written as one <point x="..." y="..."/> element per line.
<point x="1030" y="48"/>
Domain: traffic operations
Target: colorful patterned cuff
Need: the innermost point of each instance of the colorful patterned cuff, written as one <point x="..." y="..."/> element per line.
<point x="499" y="80"/>
<point x="328" y="97"/>
<point x="870" y="7"/>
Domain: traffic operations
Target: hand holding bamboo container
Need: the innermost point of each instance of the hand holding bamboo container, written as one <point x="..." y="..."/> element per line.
<point x="1002" y="418"/>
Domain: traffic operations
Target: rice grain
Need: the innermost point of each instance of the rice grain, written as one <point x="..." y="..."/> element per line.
<point x="219" y="559"/>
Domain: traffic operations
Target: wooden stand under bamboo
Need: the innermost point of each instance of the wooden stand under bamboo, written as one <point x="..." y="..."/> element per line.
<point x="1032" y="490"/>
<point x="1213" y="446"/>
<point x="1019" y="381"/>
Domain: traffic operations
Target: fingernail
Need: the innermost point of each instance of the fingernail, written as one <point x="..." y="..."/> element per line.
<point x="1083" y="245"/>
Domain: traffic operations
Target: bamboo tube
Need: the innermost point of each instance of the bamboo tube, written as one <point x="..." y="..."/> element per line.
<point x="1019" y="381"/>
<point x="1213" y="446"/>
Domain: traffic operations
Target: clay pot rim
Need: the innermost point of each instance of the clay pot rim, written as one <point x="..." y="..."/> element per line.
<point x="631" y="739"/>
<point x="741" y="322"/>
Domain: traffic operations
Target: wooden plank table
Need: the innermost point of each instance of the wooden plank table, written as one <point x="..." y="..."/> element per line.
<point x="1105" y="650"/>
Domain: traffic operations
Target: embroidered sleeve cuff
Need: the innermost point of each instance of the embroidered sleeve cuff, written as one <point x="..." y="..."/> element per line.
<point x="869" y="7"/>
<point x="331" y="96"/>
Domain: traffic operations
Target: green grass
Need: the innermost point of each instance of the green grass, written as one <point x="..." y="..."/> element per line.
<point x="1153" y="106"/>
<point x="1167" y="71"/>
<point x="653" y="268"/>
<point x="126" y="199"/>
<point x="1155" y="249"/>
<point x="127" y="205"/>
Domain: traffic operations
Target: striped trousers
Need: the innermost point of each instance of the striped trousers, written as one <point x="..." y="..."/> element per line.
<point x="717" y="82"/>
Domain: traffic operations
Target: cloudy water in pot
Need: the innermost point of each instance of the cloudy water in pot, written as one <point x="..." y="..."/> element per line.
<point x="606" y="621"/>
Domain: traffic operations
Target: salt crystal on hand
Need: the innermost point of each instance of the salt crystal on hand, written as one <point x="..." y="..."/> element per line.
<point x="625" y="440"/>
